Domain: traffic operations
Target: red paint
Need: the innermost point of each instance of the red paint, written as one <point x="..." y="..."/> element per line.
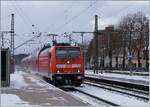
<point x="45" y="62"/>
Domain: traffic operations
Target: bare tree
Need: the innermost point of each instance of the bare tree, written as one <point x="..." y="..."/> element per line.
<point x="139" y="26"/>
<point x="123" y="28"/>
<point x="134" y="35"/>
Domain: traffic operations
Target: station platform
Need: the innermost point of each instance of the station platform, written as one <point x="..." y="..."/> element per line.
<point x="27" y="89"/>
<point x="137" y="79"/>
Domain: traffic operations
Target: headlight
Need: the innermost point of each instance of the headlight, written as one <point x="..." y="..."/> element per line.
<point x="78" y="71"/>
<point x="58" y="71"/>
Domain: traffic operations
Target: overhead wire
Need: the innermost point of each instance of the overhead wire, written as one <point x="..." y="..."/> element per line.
<point x="19" y="37"/>
<point x="27" y="17"/>
<point x="22" y="17"/>
<point x="64" y="13"/>
<point x="101" y="6"/>
<point x="76" y="16"/>
<point x="4" y="17"/>
<point x="80" y="13"/>
<point x="120" y="10"/>
<point x="91" y="7"/>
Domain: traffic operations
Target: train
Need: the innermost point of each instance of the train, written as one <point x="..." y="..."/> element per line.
<point x="61" y="64"/>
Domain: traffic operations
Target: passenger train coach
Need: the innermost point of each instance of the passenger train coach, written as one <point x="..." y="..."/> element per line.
<point x="62" y="64"/>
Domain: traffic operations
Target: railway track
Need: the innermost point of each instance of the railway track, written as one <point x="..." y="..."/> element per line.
<point x="119" y="84"/>
<point x="105" y="100"/>
<point x="78" y="90"/>
<point x="95" y="97"/>
<point x="141" y="96"/>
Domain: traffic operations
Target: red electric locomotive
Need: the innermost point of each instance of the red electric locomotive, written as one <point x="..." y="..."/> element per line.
<point x="62" y="64"/>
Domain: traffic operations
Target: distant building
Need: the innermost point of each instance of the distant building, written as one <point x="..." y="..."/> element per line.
<point x="112" y="47"/>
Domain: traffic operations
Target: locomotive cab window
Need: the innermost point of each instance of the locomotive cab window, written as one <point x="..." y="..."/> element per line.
<point x="67" y="52"/>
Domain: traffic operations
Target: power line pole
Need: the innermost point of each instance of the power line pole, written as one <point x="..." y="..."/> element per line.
<point x="69" y="39"/>
<point x="147" y="45"/>
<point x="82" y="38"/>
<point x="84" y="48"/>
<point x="124" y="50"/>
<point x="130" y="53"/>
<point x="2" y="40"/>
<point x="109" y="48"/>
<point x="12" y="34"/>
<point x="96" y="45"/>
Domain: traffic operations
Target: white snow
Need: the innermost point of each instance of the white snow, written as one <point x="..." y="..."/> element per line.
<point x="91" y="102"/>
<point x="39" y="81"/>
<point x="12" y="100"/>
<point x="17" y="80"/>
<point x="113" y="97"/>
<point x="133" y="77"/>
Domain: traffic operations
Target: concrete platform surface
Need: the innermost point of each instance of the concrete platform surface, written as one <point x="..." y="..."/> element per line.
<point x="27" y="90"/>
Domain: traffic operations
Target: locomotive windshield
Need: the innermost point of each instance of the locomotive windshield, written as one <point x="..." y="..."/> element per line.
<point x="67" y="52"/>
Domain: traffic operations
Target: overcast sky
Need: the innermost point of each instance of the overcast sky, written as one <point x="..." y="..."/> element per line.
<point x="63" y="16"/>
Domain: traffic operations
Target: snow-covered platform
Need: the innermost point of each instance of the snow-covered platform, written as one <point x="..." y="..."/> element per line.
<point x="142" y="80"/>
<point x="28" y="90"/>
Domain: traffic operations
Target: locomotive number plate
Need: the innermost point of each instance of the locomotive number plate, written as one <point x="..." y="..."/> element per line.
<point x="68" y="65"/>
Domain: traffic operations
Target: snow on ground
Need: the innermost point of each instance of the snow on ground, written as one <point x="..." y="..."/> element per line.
<point x="28" y="90"/>
<point x="113" y="97"/>
<point x="12" y="100"/>
<point x="133" y="77"/>
<point x="17" y="80"/>
<point x="91" y="102"/>
<point x="39" y="81"/>
<point x="119" y="71"/>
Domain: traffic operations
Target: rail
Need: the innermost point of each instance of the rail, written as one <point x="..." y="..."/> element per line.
<point x="95" y="97"/>
<point x="119" y="91"/>
<point x="119" y="83"/>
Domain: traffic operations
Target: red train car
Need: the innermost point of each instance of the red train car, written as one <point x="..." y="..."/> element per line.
<point x="62" y="64"/>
